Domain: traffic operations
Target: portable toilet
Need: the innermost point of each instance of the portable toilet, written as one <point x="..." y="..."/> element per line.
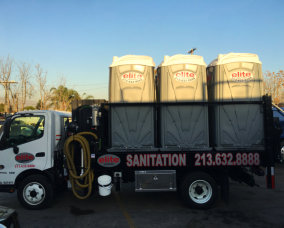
<point x="182" y="78"/>
<point x="236" y="77"/>
<point x="132" y="81"/>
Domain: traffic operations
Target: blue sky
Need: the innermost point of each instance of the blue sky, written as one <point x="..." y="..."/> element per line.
<point x="77" y="39"/>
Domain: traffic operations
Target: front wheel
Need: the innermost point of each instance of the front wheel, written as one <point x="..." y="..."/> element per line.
<point x="198" y="190"/>
<point x="35" y="192"/>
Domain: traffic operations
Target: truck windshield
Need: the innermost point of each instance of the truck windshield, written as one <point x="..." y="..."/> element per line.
<point x="25" y="129"/>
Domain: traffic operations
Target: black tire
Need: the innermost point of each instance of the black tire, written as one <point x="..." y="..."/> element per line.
<point x="282" y="151"/>
<point x="35" y="192"/>
<point x="198" y="190"/>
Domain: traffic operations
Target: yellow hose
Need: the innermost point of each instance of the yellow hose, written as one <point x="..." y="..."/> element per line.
<point x="88" y="175"/>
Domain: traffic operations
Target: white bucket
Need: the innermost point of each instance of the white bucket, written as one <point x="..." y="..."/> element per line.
<point x="105" y="185"/>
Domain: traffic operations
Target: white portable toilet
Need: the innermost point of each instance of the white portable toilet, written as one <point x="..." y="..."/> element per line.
<point x="182" y="78"/>
<point x="236" y="77"/>
<point x="132" y="81"/>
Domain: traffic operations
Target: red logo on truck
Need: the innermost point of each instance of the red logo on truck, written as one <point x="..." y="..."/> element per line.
<point x="108" y="160"/>
<point x="24" y="158"/>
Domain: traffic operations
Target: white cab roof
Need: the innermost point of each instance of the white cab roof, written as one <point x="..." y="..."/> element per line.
<point x="183" y="59"/>
<point x="35" y="112"/>
<point x="132" y="59"/>
<point x="235" y="57"/>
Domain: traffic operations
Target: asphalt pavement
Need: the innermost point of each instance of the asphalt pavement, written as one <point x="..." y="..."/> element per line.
<point x="248" y="207"/>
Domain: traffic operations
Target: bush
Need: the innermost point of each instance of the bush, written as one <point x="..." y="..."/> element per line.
<point x="29" y="108"/>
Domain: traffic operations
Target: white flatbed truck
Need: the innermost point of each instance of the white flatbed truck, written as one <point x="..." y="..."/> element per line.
<point x="33" y="160"/>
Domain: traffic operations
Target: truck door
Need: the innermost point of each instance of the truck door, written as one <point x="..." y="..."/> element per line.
<point x="23" y="145"/>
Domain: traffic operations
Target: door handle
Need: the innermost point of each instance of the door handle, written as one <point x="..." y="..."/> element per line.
<point x="2" y="167"/>
<point x="40" y="154"/>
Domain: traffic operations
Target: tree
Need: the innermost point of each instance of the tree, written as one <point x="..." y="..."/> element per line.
<point x="6" y="66"/>
<point x="274" y="85"/>
<point x="43" y="91"/>
<point x="86" y="96"/>
<point x="14" y="91"/>
<point x="2" y="107"/>
<point x="61" y="97"/>
<point x="25" y="86"/>
<point x="38" y="105"/>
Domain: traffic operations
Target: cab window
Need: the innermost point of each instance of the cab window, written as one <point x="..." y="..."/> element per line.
<point x="67" y="120"/>
<point x="25" y="129"/>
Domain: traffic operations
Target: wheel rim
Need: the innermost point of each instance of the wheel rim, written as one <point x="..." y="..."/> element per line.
<point x="200" y="191"/>
<point x="34" y="193"/>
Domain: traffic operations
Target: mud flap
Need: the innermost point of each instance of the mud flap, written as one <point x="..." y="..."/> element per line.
<point x="242" y="175"/>
<point x="270" y="177"/>
<point x="225" y="189"/>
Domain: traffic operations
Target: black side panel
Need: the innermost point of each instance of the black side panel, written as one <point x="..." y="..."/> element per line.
<point x="83" y="117"/>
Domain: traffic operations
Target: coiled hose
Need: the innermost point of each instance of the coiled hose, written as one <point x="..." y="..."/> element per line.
<point x="80" y="182"/>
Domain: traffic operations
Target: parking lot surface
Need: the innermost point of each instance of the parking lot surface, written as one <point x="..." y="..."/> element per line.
<point x="248" y="207"/>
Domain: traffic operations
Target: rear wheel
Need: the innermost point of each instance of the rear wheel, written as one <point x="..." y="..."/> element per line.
<point x="35" y="192"/>
<point x="282" y="152"/>
<point x="198" y="190"/>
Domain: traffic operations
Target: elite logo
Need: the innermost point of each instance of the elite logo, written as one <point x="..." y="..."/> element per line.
<point x="108" y="160"/>
<point x="241" y="76"/>
<point x="132" y="77"/>
<point x="24" y="158"/>
<point x="184" y="76"/>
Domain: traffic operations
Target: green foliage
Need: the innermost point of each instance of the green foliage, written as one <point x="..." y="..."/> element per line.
<point x="86" y="96"/>
<point x="29" y="108"/>
<point x="2" y="107"/>
<point x="61" y="97"/>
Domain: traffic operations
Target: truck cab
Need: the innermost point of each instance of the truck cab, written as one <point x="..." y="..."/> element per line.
<point x="31" y="146"/>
